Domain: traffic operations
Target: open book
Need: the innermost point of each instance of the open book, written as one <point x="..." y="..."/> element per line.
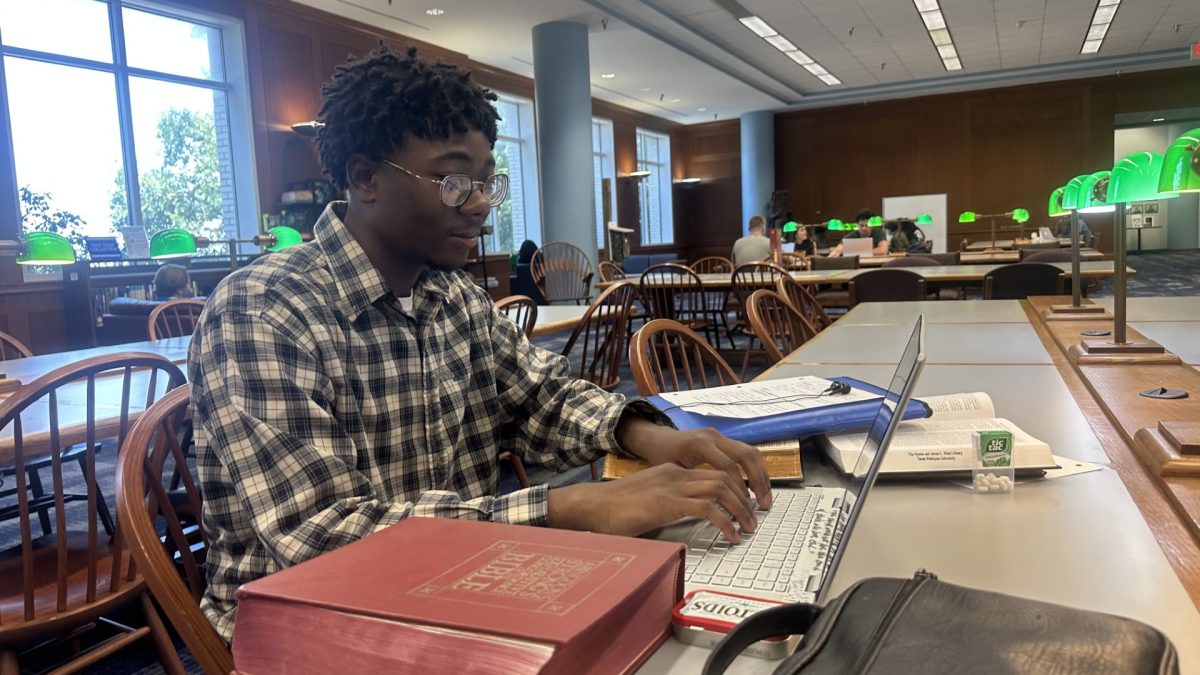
<point x="942" y="442"/>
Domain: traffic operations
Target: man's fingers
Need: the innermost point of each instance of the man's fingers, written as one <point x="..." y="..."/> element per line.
<point x="708" y="510"/>
<point x="715" y="488"/>
<point x="751" y="461"/>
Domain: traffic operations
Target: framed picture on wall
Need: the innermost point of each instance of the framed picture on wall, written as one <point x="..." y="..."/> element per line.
<point x="1135" y="208"/>
<point x="1135" y="221"/>
<point x="1150" y="207"/>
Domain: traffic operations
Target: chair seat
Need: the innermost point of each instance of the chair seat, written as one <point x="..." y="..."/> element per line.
<point x="45" y="595"/>
<point x="833" y="298"/>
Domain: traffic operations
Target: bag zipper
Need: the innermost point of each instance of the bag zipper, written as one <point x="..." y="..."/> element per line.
<point x="897" y="606"/>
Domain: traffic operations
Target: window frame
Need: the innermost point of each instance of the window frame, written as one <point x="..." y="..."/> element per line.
<point x="526" y="140"/>
<point x="660" y="168"/>
<point x="606" y="154"/>
<point x="235" y="86"/>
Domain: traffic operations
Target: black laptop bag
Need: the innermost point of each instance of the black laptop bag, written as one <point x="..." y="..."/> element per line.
<point x="883" y="626"/>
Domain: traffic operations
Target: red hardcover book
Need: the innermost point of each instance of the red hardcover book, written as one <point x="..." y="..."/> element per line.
<point x="432" y="595"/>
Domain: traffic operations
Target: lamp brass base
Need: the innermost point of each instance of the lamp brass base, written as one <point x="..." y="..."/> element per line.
<point x="1104" y="350"/>
<point x="1073" y="313"/>
<point x="1082" y="309"/>
<point x="1173" y="449"/>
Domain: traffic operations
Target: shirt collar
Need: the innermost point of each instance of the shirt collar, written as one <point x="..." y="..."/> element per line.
<point x="360" y="284"/>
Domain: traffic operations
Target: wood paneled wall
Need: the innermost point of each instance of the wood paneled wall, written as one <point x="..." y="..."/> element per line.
<point x="708" y="214"/>
<point x="988" y="151"/>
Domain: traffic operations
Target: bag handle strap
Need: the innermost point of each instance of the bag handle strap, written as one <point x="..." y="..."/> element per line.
<point x="783" y="620"/>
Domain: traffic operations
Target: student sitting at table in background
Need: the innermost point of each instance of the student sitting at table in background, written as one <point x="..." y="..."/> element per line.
<point x="754" y="246"/>
<point x="1085" y="232"/>
<point x="345" y="384"/>
<point x="906" y="237"/>
<point x="171" y="282"/>
<point x="803" y="243"/>
<point x="877" y="235"/>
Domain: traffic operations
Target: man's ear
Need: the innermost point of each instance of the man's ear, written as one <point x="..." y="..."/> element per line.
<point x="361" y="177"/>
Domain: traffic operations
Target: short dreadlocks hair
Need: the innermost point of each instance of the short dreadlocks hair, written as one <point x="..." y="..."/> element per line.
<point x="372" y="100"/>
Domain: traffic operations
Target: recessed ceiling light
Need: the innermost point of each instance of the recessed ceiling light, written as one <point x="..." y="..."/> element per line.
<point x="1159" y="119"/>
<point x="939" y="33"/>
<point x="781" y="43"/>
<point x="435" y="11"/>
<point x="643" y="88"/>
<point x="674" y="100"/>
<point x="765" y="31"/>
<point x="607" y="76"/>
<point x="701" y="109"/>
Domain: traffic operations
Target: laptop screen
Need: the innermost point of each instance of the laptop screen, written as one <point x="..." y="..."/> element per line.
<point x="879" y="435"/>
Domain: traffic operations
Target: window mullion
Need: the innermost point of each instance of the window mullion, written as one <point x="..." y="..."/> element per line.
<point x="133" y="198"/>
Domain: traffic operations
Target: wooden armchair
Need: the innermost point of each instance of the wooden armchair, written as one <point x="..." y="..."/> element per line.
<point x="12" y="348"/>
<point x="55" y="585"/>
<point x="802" y="300"/>
<point x="522" y="310"/>
<point x="611" y="271"/>
<point x="562" y="272"/>
<point x="174" y="318"/>
<point x="152" y="462"/>
<point x="668" y="356"/>
<point x="889" y="284"/>
<point x="780" y="327"/>
<point x="1021" y="280"/>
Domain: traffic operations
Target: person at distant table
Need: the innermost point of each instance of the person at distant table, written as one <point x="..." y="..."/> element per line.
<point x="171" y="282"/>
<point x="345" y="384"/>
<point x="754" y="246"/>
<point x="878" y="236"/>
<point x="803" y="243"/>
<point x="1085" y="232"/>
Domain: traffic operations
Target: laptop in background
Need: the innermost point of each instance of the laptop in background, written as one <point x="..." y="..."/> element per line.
<point x="793" y="554"/>
<point x="864" y="247"/>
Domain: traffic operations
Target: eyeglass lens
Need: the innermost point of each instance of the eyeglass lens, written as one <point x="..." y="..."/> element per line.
<point x="457" y="188"/>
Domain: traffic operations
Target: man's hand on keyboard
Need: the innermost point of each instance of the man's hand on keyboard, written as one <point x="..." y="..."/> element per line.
<point x="651" y="498"/>
<point x="691" y="449"/>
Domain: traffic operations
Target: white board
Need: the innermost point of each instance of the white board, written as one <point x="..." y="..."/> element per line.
<point x="913" y="206"/>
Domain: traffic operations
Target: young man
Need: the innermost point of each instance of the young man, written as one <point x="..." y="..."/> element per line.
<point x="754" y="246"/>
<point x="878" y="237"/>
<point x="346" y="384"/>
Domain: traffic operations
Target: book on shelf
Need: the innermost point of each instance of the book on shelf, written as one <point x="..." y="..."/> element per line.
<point x="942" y="443"/>
<point x="781" y="457"/>
<point x="440" y="595"/>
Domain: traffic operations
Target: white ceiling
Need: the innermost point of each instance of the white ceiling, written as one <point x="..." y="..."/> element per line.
<point x="697" y="52"/>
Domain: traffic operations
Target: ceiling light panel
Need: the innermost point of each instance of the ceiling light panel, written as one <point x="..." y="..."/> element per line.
<point x="939" y="33"/>
<point x="766" y="32"/>
<point x="1102" y="18"/>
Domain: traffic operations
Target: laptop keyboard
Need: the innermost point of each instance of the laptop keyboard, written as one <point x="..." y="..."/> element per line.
<point x="786" y="554"/>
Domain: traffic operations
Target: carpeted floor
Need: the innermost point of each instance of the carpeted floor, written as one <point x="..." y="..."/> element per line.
<point x="1165" y="273"/>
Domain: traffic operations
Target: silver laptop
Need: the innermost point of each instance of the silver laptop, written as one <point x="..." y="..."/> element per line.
<point x="793" y="553"/>
<point x="860" y="246"/>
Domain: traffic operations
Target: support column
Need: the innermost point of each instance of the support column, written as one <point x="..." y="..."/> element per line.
<point x="758" y="164"/>
<point x="563" y="100"/>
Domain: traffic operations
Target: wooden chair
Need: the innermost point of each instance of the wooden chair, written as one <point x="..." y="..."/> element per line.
<point x="780" y="327"/>
<point x="55" y="585"/>
<point x="951" y="258"/>
<point x="713" y="264"/>
<point x="746" y="280"/>
<point x="675" y="292"/>
<point x="562" y="272"/>
<point x="601" y="336"/>
<point x="887" y="285"/>
<point x="1045" y="255"/>
<point x="668" y="356"/>
<point x="1021" y="280"/>
<point x="929" y="260"/>
<point x="834" y="297"/>
<point x="522" y="310"/>
<point x="802" y="300"/>
<point x="171" y="560"/>
<point x="174" y="318"/>
<point x="611" y="271"/>
<point x="12" y="348"/>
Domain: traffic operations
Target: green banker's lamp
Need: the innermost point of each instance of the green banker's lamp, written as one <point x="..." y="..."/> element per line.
<point x="966" y="217"/>
<point x="1070" y="200"/>
<point x="924" y="219"/>
<point x="1181" y="164"/>
<point x="1093" y="193"/>
<point x="875" y="221"/>
<point x="177" y="243"/>
<point x="40" y="248"/>
<point x="790" y="226"/>
<point x="835" y="225"/>
<point x="1054" y="208"/>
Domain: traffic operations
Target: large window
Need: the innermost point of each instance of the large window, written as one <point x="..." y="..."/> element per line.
<point x="654" y="155"/>
<point x="127" y="115"/>
<point x="516" y="219"/>
<point x="603" y="167"/>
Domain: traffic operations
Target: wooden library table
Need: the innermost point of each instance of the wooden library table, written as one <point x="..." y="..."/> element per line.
<point x="1093" y="540"/>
